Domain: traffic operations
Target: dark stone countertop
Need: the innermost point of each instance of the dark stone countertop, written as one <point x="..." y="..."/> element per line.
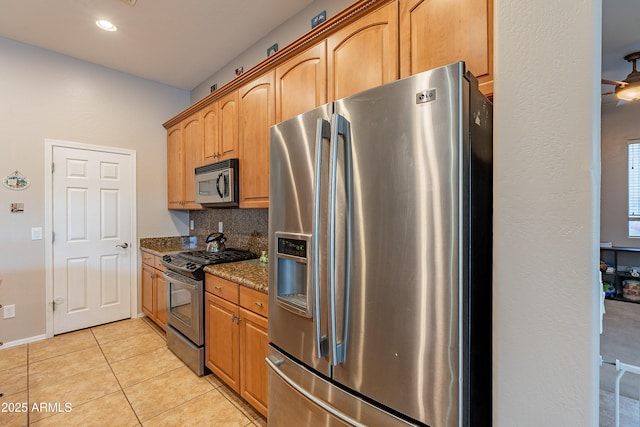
<point x="251" y="273"/>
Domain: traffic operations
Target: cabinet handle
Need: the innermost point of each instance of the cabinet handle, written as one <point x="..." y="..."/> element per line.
<point x="153" y="275"/>
<point x="218" y="288"/>
<point x="259" y="304"/>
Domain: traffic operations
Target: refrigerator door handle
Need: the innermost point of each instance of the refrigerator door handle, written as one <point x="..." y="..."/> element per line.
<point x="340" y="127"/>
<point x="274" y="362"/>
<point x="323" y="133"/>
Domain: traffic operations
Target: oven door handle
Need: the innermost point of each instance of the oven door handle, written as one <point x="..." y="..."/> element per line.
<point x="175" y="279"/>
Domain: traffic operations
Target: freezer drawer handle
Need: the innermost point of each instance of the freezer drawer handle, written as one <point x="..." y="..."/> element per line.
<point x="274" y="362"/>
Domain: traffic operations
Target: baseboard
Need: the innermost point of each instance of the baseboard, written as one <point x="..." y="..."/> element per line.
<point x="23" y="341"/>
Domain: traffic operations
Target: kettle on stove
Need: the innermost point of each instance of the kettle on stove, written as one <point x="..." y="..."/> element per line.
<point x="215" y="242"/>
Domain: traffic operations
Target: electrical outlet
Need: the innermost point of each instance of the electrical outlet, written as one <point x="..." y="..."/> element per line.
<point x="9" y="311"/>
<point x="191" y="226"/>
<point x="220" y="227"/>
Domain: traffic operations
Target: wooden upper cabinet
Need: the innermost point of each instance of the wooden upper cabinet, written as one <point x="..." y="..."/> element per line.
<point x="301" y="83"/>
<point x="434" y="33"/>
<point x="210" y="132"/>
<point x="228" y="126"/>
<point x="175" y="167"/>
<point x="184" y="154"/>
<point x="256" y="116"/>
<point x="193" y="157"/>
<point x="363" y="54"/>
<point x="220" y="122"/>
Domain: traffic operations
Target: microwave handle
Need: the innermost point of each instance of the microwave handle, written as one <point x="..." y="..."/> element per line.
<point x="218" y="185"/>
<point x="226" y="185"/>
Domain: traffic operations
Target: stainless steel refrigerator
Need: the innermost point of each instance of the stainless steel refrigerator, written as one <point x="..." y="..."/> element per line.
<point x="380" y="239"/>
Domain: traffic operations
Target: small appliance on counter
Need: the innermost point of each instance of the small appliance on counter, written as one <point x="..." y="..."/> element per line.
<point x="215" y="242"/>
<point x="185" y="299"/>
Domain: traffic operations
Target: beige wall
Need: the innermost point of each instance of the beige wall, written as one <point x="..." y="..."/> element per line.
<point x="546" y="212"/>
<point x="619" y="125"/>
<point x="46" y="95"/>
<point x="283" y="35"/>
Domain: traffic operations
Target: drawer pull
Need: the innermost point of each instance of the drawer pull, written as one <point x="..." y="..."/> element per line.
<point x="258" y="303"/>
<point x="218" y="288"/>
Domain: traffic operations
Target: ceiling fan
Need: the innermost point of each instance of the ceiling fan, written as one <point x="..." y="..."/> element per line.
<point x="629" y="88"/>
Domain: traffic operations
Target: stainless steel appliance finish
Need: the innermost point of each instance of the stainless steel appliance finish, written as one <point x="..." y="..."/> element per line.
<point x="331" y="405"/>
<point x="185" y="301"/>
<point x="215" y="242"/>
<point x="217" y="184"/>
<point x="393" y="188"/>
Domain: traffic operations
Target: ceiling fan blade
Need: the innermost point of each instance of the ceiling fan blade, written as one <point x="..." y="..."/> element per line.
<point x="613" y="82"/>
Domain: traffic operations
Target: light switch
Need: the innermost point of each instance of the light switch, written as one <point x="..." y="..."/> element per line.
<point x="36" y="233"/>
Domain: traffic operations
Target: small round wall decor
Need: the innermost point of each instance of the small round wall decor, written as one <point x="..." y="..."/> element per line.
<point x="16" y="181"/>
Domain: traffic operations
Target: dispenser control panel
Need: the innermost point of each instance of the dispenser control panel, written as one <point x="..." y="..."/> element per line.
<point x="293" y="247"/>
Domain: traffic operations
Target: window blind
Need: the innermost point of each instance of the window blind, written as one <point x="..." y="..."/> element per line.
<point x="634" y="179"/>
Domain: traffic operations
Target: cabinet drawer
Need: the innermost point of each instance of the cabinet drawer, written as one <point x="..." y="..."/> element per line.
<point x="158" y="265"/>
<point x="221" y="287"/>
<point x="255" y="301"/>
<point x="148" y="259"/>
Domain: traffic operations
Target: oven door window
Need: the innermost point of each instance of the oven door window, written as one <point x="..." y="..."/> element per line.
<point x="181" y="302"/>
<point x="185" y="306"/>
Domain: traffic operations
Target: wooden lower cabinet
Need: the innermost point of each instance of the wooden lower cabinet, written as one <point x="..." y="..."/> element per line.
<point x="154" y="298"/>
<point x="254" y="344"/>
<point x="236" y="342"/>
<point x="222" y="340"/>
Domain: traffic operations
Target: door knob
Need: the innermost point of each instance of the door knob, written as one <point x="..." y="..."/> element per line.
<point x="125" y="245"/>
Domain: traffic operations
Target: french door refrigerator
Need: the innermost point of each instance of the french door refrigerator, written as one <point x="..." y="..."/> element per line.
<point x="380" y="237"/>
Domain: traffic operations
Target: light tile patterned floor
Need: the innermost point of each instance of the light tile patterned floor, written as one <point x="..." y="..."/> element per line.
<point x="119" y="374"/>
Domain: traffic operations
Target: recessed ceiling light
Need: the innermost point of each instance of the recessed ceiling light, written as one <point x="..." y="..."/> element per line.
<point x="105" y="25"/>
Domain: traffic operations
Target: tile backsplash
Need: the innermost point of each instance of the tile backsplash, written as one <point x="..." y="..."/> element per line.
<point x="243" y="228"/>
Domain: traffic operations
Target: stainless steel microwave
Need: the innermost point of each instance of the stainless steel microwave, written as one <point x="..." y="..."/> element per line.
<point x="217" y="184"/>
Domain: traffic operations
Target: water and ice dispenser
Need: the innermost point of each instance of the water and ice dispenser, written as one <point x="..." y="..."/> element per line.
<point x="293" y="275"/>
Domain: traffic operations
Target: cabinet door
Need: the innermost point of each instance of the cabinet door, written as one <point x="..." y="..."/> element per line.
<point x="434" y="33"/>
<point x="210" y="132"/>
<point x="192" y="137"/>
<point x="301" y="83"/>
<point x="363" y="54"/>
<point x="228" y="127"/>
<point x="254" y="343"/>
<point x="222" y="340"/>
<point x="161" y="300"/>
<point x="148" y="275"/>
<point x="256" y="116"/>
<point x="175" y="167"/>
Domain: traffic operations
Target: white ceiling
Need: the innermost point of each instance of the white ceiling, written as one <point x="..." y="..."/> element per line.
<point x="178" y="43"/>
<point x="181" y="43"/>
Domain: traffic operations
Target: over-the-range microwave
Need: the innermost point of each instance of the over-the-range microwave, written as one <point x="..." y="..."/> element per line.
<point x="217" y="184"/>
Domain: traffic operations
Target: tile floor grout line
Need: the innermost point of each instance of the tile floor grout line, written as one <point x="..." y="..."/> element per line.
<point x="117" y="380"/>
<point x="229" y="395"/>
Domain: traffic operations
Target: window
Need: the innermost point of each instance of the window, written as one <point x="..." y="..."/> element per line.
<point x="634" y="187"/>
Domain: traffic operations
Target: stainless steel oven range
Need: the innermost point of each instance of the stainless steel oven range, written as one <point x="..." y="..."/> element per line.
<point x="185" y="301"/>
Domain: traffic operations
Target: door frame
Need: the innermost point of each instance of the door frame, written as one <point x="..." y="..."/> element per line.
<point x="49" y="145"/>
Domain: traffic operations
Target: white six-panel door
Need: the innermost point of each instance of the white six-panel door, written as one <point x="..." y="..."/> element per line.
<point x="91" y="198"/>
